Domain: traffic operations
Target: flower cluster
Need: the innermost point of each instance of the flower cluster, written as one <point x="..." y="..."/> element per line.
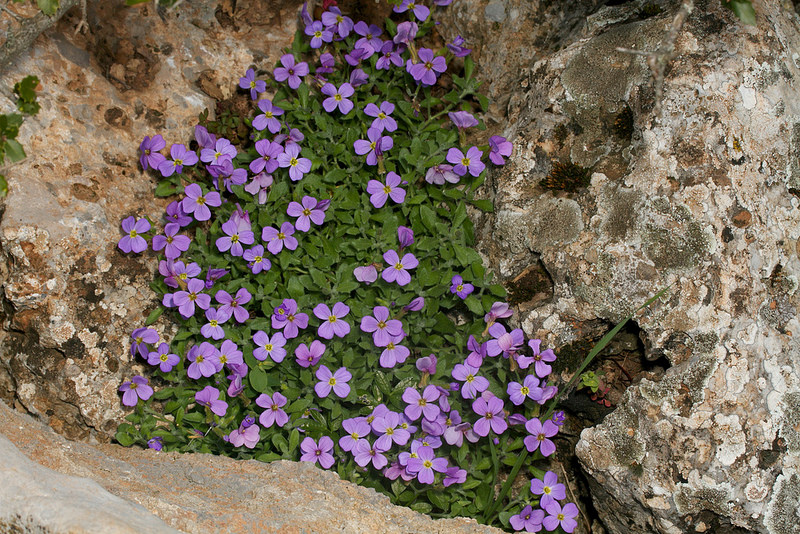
<point x="316" y="268"/>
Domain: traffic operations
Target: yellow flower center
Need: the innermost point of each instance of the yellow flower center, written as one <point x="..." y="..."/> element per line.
<point x="199" y="358"/>
<point x="470" y="378"/>
<point x="213" y="322"/>
<point x="337" y="97"/>
<point x="524" y="390"/>
<point x="460" y="287"/>
<point x="268" y="347"/>
<point x="547" y="490"/>
<point x="331" y="381"/>
<point x="381" y="115"/>
<point x="178" y="162"/>
<point x="133" y="233"/>
<point x="223" y="359"/>
<point x="332" y="318"/>
<point x="281" y="235"/>
<point x="293" y="162"/>
<point x="234" y="238"/>
<point x="306" y="212"/>
<point x="163" y="357"/>
<point x="381" y="325"/>
<point x="387" y="189"/>
<point x="201" y="200"/>
<point x="268" y="114"/>
<point x="398" y="266"/>
<point x="465" y="162"/>
<point x="253" y="84"/>
<point x="427" y="463"/>
<point x="390" y="431"/>
<point x="258" y="259"/>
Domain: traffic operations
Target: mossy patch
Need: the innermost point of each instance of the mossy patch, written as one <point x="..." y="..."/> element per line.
<point x="783" y="511"/>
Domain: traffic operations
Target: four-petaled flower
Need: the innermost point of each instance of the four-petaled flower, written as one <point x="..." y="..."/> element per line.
<point x="272" y="347"/>
<point x="180" y="156"/>
<point x="558" y="516"/>
<point x="460" y="288"/>
<point x="491" y="410"/>
<point x="248" y="81"/>
<point x="332" y="381"/>
<point x="425" y="464"/>
<point x="307" y="356"/>
<point x="290" y="70"/>
<point x="332" y="323"/>
<point x="471" y="162"/>
<point x="133" y="242"/>
<point x="499" y="147"/>
<point x="267" y="118"/>
<point x="134" y="390"/>
<point x="527" y="519"/>
<point x="197" y="202"/>
<point x="150" y="156"/>
<point x="297" y="166"/>
<point x="473" y="384"/>
<point x="539" y="436"/>
<point x="377" y="144"/>
<point x="277" y="239"/>
<point x="273" y="414"/>
<point x="209" y="397"/>
<point x="396" y="272"/>
<point x="425" y="71"/>
<point x="382" y="191"/>
<point x="173" y="242"/>
<point x="549" y="489"/>
<point x="318" y="33"/>
<point x="382" y="119"/>
<point x="307" y="211"/>
<point x="383" y="329"/>
<point x="338" y="97"/>
<point x="421" y="405"/>
<point x="317" y="453"/>
<point x="163" y="358"/>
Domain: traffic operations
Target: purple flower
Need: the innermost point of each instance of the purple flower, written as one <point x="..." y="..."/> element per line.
<point x="382" y="328"/>
<point x="307" y="212"/>
<point x="539" y="434"/>
<point x="245" y="435"/>
<point x="175" y="244"/>
<point x="327" y="62"/>
<point x="317" y="453"/>
<point x="366" y="274"/>
<point x="493" y="417"/>
<point x="463" y="119"/>
<point x="332" y="323"/>
<point x="308" y="356"/>
<point x="318" y="34"/>
<point x="425" y="464"/>
<point x="248" y="81"/>
<point x="255" y="259"/>
<point x="223" y="150"/>
<point x="357" y="55"/>
<point x="150" y="157"/>
<point x="420" y="11"/>
<point x="563" y="517"/>
<point x="454" y="475"/>
<point x="425" y="71"/>
<point x="377" y="145"/>
<point x="337" y="97"/>
<point x="500" y="310"/>
<point x="390" y="55"/>
<point x="163" y="358"/>
<point x="287" y="318"/>
<point x="269" y="347"/>
<point x="290" y="71"/>
<point x="204" y="139"/>
<point x="332" y="381"/>
<point x="365" y="453"/>
<point x="175" y="214"/>
<point x="213" y="275"/>
<point x="186" y="300"/>
<point x="356" y="429"/>
<point x="236" y="387"/>
<point x="397" y="267"/>
<point x="393" y="353"/>
<point x="133" y="242"/>
<point x="180" y="157"/>
<point x="358" y="78"/>
<point x="477" y="352"/>
<point x="471" y="162"/>
<point x="405" y="236"/>
<point x="176" y="273"/>
<point x="212" y="328"/>
<point x="528" y="519"/>
<point x="382" y="191"/>
<point x="559" y="417"/>
<point x="297" y="166"/>
<point x="503" y="341"/>
<point x="421" y="405"/>
<point x="456" y="47"/>
<point x="382" y="119"/>
<point x="230" y="355"/>
<point x="416" y="304"/>
<point x="273" y="412"/>
<point x="209" y="397"/>
<point x="233" y="305"/>
<point x="141" y="337"/>
<point x="370" y="35"/>
<point x="205" y="360"/>
<point x="439" y="174"/>
<point x="156" y="443"/>
<point x="134" y="390"/>
<point x="540" y="366"/>
<point x="267" y="118"/>
<point x="406" y="32"/>
<point x="472" y="384"/>
<point x="427" y="364"/>
<point x="276" y="240"/>
<point x="333" y="19"/>
<point x="548" y="488"/>
<point x="268" y="162"/>
<point x="499" y="147"/>
<point x="235" y="235"/>
<point x="258" y="186"/>
<point x="458" y="287"/>
<point x="197" y="203"/>
<point x="529" y="388"/>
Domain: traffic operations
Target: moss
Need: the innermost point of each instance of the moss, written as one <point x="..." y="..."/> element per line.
<point x="623" y="123"/>
<point x="689" y="500"/>
<point x="675" y="248"/>
<point x="566" y="177"/>
<point x="622" y="427"/>
<point x="650" y="9"/>
<point x="706" y="342"/>
<point x="783" y="511"/>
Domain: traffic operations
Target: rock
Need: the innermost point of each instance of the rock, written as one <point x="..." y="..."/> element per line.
<point x="71" y="298"/>
<point x="703" y="198"/>
<point x="108" y="489"/>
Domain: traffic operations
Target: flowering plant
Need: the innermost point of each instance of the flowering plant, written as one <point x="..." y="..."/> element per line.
<point x="330" y="305"/>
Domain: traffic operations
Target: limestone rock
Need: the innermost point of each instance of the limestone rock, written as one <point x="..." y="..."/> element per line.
<point x="109" y="489"/>
<point x="71" y="297"/>
<point x="703" y="197"/>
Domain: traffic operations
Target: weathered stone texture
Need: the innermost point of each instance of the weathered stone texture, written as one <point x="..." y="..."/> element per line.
<point x="109" y="489"/>
<point x="71" y="298"/>
<point x="703" y="197"/>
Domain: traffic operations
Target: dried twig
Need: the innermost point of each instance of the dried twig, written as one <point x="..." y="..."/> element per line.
<point x="659" y="59"/>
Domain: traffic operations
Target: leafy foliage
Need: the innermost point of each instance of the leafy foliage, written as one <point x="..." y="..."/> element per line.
<point x="10" y="123"/>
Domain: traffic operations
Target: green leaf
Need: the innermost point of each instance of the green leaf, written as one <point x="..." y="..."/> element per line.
<point x="469" y="66"/>
<point x="48" y="7"/>
<point x="428" y="218"/>
<point x="294" y="439"/>
<point x="483" y="205"/>
<point x="258" y="379"/>
<point x="474" y="305"/>
<point x="124" y="439"/>
<point x="154" y="315"/>
<point x="438" y="500"/>
<point x="3" y="186"/>
<point x="165" y="188"/>
<point x="742" y="9"/>
<point x="14" y="151"/>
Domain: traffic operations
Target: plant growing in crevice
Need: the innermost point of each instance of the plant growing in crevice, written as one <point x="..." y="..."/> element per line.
<point x="10" y="148"/>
